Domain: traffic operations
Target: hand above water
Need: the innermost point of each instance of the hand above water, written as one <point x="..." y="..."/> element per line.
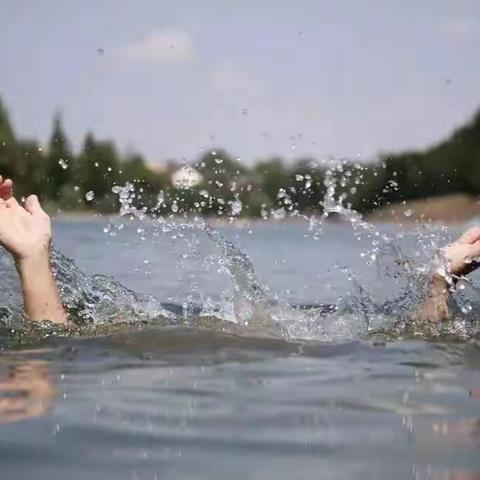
<point x="463" y="253"/>
<point x="25" y="231"/>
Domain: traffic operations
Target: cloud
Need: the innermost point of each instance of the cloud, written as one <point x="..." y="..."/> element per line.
<point x="460" y="26"/>
<point x="161" y="47"/>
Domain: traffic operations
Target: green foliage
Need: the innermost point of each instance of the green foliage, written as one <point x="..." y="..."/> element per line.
<point x="227" y="187"/>
<point x="59" y="159"/>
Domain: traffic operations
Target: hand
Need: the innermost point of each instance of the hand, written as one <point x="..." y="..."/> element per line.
<point x="25" y="232"/>
<point x="463" y="253"/>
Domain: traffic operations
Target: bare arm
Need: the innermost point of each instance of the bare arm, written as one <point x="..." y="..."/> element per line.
<point x="26" y="233"/>
<point x="40" y="293"/>
<point x="461" y="258"/>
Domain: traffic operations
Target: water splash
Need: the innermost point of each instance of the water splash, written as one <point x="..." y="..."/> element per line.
<point x="101" y="299"/>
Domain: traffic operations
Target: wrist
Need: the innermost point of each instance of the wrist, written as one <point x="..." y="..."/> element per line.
<point x="441" y="285"/>
<point x="34" y="263"/>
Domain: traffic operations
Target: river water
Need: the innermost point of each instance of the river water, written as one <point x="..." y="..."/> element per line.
<point x="272" y="354"/>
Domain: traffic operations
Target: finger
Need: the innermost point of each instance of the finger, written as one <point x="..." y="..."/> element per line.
<point x="474" y="249"/>
<point x="471" y="236"/>
<point x="11" y="202"/>
<point x="6" y="189"/>
<point x="32" y="205"/>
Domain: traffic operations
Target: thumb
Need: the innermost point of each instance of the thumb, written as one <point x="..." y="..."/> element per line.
<point x="32" y="205"/>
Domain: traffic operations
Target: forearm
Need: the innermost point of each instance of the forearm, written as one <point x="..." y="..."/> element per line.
<point x="40" y="292"/>
<point x="435" y="306"/>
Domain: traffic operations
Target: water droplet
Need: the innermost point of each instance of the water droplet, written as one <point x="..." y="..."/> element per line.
<point x="89" y="196"/>
<point x="237" y="206"/>
<point x="160" y="198"/>
<point x="408" y="213"/>
<point x="466" y="308"/>
<point x="63" y="163"/>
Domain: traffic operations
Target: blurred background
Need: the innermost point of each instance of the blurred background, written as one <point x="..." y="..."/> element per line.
<point x="240" y="108"/>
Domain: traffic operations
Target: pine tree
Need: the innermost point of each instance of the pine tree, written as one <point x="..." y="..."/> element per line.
<point x="59" y="160"/>
<point x="6" y="132"/>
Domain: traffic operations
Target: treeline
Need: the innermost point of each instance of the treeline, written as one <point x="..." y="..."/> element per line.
<point x="85" y="179"/>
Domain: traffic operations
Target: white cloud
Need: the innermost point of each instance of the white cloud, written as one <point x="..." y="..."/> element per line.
<point x="161" y="47"/>
<point x="459" y="26"/>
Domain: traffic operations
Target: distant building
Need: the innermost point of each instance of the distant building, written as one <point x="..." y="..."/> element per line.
<point x="185" y="178"/>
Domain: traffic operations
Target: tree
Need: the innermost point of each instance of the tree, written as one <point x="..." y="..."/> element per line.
<point x="8" y="144"/>
<point x="6" y="131"/>
<point x="59" y="159"/>
<point x="97" y="170"/>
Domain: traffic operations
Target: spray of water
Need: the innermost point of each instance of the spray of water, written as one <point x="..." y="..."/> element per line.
<point x="100" y="299"/>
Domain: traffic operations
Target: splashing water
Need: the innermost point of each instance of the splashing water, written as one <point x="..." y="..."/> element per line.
<point x="251" y="305"/>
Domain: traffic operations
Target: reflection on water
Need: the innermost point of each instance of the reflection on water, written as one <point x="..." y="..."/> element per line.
<point x="445" y="443"/>
<point x="182" y="403"/>
<point x="176" y="391"/>
<point x="457" y="475"/>
<point x="26" y="388"/>
<point x="466" y="430"/>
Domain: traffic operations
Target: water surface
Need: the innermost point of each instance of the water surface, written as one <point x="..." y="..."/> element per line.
<point x="182" y="392"/>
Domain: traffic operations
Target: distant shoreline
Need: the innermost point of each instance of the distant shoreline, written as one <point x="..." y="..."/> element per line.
<point x="449" y="209"/>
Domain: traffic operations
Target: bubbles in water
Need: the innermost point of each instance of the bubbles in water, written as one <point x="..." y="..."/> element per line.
<point x="89" y="196"/>
<point x="408" y="213"/>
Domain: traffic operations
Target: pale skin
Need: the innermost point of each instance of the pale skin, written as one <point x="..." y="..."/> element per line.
<point x="25" y="231"/>
<point x="461" y="258"/>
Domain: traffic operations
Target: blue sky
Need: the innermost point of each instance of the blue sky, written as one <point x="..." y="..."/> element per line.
<point x="325" y="78"/>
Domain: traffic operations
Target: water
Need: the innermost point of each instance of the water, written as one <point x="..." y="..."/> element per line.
<point x="258" y="352"/>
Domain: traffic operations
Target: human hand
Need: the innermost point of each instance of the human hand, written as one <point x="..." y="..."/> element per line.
<point x="24" y="231"/>
<point x="463" y="253"/>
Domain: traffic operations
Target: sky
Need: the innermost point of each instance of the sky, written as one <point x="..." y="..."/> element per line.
<point x="170" y="79"/>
